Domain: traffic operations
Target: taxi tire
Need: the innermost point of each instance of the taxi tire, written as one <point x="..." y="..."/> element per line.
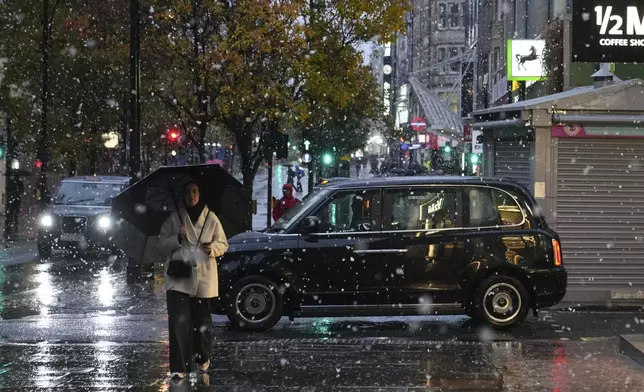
<point x="265" y="288"/>
<point x="513" y="287"/>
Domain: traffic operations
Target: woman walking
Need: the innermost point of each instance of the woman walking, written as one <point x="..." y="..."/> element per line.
<point x="193" y="235"/>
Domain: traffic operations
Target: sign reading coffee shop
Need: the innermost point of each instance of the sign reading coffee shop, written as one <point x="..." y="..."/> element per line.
<point x="608" y="31"/>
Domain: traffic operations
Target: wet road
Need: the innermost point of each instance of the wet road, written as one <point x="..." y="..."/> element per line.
<point x="75" y="324"/>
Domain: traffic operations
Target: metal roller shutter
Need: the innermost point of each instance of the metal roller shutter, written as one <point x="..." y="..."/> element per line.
<point x="512" y="160"/>
<point x="600" y="211"/>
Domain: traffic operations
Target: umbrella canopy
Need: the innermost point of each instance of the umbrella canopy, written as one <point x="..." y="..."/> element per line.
<point x="142" y="208"/>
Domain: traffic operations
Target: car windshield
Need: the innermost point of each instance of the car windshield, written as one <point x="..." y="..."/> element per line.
<point x="86" y="193"/>
<point x="287" y="219"/>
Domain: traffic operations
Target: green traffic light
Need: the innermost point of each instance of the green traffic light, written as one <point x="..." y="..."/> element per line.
<point x="327" y="159"/>
<point x="474" y="158"/>
<point x="448" y="149"/>
<point x="1" y="152"/>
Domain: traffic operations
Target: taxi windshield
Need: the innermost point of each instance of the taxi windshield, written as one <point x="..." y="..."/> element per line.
<point x="87" y="193"/>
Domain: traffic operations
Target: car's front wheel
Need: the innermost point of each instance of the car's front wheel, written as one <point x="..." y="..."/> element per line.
<point x="256" y="304"/>
<point x="502" y="301"/>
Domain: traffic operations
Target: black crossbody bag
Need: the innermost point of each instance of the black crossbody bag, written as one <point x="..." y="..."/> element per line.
<point x="178" y="268"/>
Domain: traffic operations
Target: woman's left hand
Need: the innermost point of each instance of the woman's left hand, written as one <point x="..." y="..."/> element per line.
<point x="206" y="248"/>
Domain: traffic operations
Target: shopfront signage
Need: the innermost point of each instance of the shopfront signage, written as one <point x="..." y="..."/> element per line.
<point x="607" y="31"/>
<point x="578" y="130"/>
<point x="525" y="59"/>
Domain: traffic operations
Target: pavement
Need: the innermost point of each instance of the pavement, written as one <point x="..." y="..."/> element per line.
<point x="74" y="323"/>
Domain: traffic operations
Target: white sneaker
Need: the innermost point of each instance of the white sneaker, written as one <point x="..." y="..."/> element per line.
<point x="177" y="377"/>
<point x="203" y="367"/>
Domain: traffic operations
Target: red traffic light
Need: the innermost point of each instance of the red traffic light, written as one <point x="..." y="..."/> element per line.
<point x="38" y="163"/>
<point x="173" y="135"/>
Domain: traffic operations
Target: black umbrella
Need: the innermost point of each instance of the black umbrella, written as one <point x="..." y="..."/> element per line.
<point x="142" y="208"/>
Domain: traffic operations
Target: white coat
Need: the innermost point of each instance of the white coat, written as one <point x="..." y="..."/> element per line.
<point x="204" y="281"/>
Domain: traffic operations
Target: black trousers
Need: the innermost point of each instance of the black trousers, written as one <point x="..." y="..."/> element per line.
<point x="189" y="330"/>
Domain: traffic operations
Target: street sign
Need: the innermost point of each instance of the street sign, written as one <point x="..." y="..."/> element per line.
<point x="404" y="146"/>
<point x="477" y="142"/>
<point x="415" y="146"/>
<point x="306" y="158"/>
<point x="418" y="124"/>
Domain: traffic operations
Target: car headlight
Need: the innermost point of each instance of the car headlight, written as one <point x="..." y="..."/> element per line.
<point x="46" y="221"/>
<point x="104" y="222"/>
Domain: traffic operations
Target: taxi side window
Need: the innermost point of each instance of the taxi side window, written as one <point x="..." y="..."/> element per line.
<point x="489" y="207"/>
<point x="422" y="209"/>
<point x="351" y="211"/>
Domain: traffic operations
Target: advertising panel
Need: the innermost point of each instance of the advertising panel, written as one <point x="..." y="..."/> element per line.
<point x="608" y="31"/>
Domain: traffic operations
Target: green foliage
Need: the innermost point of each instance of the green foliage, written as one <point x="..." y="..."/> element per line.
<point x="238" y="70"/>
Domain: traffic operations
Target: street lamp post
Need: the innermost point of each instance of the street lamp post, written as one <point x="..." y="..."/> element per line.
<point x="43" y="142"/>
<point x="135" y="92"/>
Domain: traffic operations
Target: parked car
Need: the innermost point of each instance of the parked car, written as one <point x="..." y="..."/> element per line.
<point x="79" y="214"/>
<point x="397" y="246"/>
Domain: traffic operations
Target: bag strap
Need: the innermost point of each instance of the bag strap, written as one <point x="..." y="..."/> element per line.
<point x="202" y="228"/>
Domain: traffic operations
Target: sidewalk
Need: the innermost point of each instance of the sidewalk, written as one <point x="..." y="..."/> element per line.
<point x="26" y="229"/>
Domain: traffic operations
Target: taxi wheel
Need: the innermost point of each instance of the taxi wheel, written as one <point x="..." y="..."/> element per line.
<point x="256" y="304"/>
<point x="502" y="301"/>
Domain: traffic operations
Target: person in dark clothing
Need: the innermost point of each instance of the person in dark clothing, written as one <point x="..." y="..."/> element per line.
<point x="14" y="199"/>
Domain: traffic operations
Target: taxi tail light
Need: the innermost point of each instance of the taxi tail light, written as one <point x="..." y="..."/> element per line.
<point x="556" y="247"/>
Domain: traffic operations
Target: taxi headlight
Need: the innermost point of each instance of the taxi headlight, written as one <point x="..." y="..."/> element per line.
<point x="104" y="222"/>
<point x="46" y="221"/>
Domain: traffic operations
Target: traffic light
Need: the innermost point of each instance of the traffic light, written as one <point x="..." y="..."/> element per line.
<point x="327" y="158"/>
<point x="173" y="135"/>
<point x="38" y="163"/>
<point x="1" y="152"/>
<point x="474" y="159"/>
<point x="448" y="147"/>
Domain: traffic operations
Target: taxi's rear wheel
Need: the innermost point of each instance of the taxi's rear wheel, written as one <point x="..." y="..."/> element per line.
<point x="256" y="304"/>
<point x="502" y="301"/>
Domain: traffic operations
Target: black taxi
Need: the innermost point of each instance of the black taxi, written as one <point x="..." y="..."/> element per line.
<point x="397" y="246"/>
<point x="79" y="214"/>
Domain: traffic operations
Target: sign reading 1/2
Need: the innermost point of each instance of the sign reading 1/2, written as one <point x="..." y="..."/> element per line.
<point x="608" y="31"/>
<point x="634" y="25"/>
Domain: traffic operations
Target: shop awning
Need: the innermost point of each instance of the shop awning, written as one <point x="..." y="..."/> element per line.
<point x="623" y="96"/>
<point x="439" y="117"/>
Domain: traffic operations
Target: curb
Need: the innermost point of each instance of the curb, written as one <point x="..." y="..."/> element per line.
<point x="632" y="345"/>
<point x="621" y="306"/>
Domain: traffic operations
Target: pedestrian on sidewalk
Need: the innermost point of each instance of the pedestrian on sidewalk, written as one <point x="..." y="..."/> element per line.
<point x="193" y="235"/>
<point x="284" y="204"/>
<point x="14" y="200"/>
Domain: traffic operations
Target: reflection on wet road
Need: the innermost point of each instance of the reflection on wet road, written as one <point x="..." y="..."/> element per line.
<point x="76" y="324"/>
